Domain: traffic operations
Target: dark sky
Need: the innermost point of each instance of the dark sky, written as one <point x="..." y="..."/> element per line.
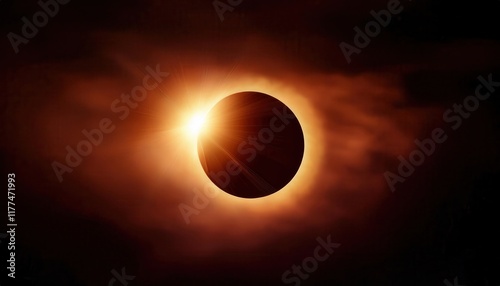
<point x="120" y="206"/>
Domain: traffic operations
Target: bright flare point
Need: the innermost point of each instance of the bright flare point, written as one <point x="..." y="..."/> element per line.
<point x="196" y="124"/>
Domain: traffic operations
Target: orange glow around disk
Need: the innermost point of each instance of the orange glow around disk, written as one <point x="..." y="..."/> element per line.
<point x="191" y="119"/>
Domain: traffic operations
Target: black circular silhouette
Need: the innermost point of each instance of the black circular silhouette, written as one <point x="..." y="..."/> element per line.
<point x="251" y="145"/>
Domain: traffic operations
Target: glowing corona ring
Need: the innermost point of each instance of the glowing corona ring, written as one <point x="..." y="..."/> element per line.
<point x="255" y="145"/>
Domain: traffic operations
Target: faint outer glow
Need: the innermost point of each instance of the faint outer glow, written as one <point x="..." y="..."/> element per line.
<point x="152" y="155"/>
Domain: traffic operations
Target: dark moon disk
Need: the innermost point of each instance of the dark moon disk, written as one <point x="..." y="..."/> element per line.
<point x="251" y="145"/>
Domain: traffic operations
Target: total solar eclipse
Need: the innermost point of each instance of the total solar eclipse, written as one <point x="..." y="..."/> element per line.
<point x="251" y="144"/>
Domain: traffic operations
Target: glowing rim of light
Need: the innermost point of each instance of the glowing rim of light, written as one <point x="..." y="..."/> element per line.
<point x="201" y="101"/>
